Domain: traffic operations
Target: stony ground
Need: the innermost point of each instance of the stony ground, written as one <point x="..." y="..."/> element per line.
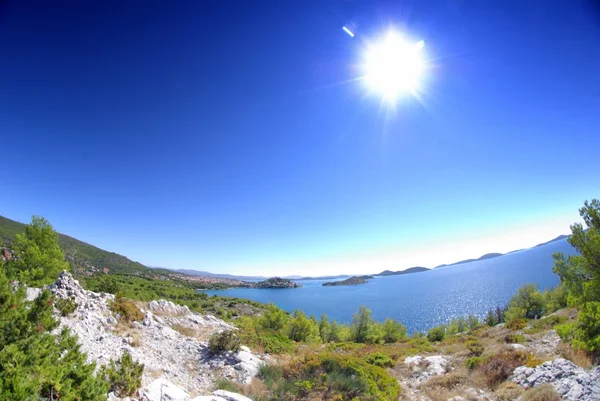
<point x="171" y="341"/>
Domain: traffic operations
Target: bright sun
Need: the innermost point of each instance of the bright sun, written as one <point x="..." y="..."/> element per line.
<point x="394" y="66"/>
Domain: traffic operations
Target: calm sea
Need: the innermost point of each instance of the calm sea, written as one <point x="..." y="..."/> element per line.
<point x="421" y="300"/>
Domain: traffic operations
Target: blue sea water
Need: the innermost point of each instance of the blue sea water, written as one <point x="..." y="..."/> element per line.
<point x="421" y="300"/>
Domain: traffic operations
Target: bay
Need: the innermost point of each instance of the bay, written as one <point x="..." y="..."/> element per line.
<point x="421" y="300"/>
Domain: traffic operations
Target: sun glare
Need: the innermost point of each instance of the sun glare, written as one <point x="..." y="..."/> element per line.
<point x="394" y="66"/>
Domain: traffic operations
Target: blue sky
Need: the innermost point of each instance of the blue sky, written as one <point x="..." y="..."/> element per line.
<point x="219" y="136"/>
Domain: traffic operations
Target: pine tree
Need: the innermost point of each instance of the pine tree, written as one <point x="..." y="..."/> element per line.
<point x="34" y="364"/>
<point x="38" y="258"/>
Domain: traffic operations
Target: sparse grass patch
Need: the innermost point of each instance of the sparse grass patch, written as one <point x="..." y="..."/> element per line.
<point x="184" y="330"/>
<point x="512" y="338"/>
<point x="578" y="357"/>
<point x="544" y="392"/>
<point x="508" y="391"/>
<point x="227" y="385"/>
<point x="449" y="381"/>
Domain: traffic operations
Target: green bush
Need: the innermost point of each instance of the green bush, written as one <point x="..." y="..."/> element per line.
<point x="436" y="334"/>
<point x="65" y="306"/>
<point x="393" y="331"/>
<point x="124" y="376"/>
<point x="276" y="343"/>
<point x="516" y="324"/>
<point x="528" y="303"/>
<point x="514" y="338"/>
<point x="473" y="362"/>
<point x="270" y="374"/>
<point x="587" y="332"/>
<point x="474" y="347"/>
<point x="224" y="341"/>
<point x="379" y="359"/>
<point x="565" y="331"/>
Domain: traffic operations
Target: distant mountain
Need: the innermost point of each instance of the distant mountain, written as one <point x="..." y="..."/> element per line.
<point x="415" y="269"/>
<point x="79" y="253"/>
<point x="484" y="257"/>
<point x="553" y="240"/>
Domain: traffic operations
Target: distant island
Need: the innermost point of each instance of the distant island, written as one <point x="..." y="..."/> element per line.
<point x="275" y="282"/>
<point x="349" y="281"/>
<point x="415" y="269"/>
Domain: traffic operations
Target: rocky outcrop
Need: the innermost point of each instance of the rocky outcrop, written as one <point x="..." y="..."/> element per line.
<point x="170" y="341"/>
<point x="423" y="368"/>
<point x="275" y="282"/>
<point x="349" y="281"/>
<point x="570" y="381"/>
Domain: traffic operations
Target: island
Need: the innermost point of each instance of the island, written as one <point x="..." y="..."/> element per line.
<point x="349" y="281"/>
<point x="275" y="282"/>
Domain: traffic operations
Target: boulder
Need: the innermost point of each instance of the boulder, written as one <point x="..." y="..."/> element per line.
<point x="423" y="368"/>
<point x="163" y="390"/>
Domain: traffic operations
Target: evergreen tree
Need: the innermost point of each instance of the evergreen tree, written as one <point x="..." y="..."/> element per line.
<point x="580" y="274"/>
<point x="38" y="258"/>
<point x="34" y="364"/>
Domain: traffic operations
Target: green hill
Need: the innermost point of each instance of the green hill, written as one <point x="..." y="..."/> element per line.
<point x="79" y="253"/>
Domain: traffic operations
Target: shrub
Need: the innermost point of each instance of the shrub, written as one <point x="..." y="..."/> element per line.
<point x="474" y="347"/>
<point x="124" y="376"/>
<point x="276" y="343"/>
<point x="587" y="333"/>
<point x="436" y="334"/>
<point x="473" y="362"/>
<point x="514" y="338"/>
<point x="544" y="392"/>
<point x="270" y="373"/>
<point x="273" y="318"/>
<point x="565" y="331"/>
<point x="393" y="331"/>
<point x="497" y="368"/>
<point x="516" y="324"/>
<point x="127" y="309"/>
<point x="379" y="359"/>
<point x="224" y="341"/>
<point x="65" y="306"/>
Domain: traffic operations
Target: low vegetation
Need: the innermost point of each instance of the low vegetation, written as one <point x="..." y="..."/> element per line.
<point x="123" y="376"/>
<point x="224" y="341"/>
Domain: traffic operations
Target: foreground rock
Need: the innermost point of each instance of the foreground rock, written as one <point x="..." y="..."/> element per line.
<point x="570" y="381"/>
<point x="170" y="342"/>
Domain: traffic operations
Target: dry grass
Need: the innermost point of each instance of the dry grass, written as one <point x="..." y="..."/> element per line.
<point x="578" y="357"/>
<point x="545" y="392"/>
<point x="508" y="391"/>
<point x="449" y="381"/>
<point x="184" y="330"/>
